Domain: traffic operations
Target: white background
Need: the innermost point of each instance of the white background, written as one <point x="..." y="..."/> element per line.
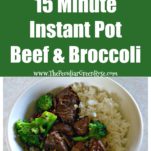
<point x="149" y="113"/>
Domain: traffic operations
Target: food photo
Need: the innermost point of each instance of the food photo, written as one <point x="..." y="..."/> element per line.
<point x="75" y="114"/>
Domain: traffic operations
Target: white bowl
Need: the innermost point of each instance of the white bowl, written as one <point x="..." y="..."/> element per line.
<point x="129" y="108"/>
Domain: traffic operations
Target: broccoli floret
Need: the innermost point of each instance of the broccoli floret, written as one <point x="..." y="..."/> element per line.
<point x="29" y="132"/>
<point x="44" y="103"/>
<point x="24" y="131"/>
<point x="97" y="130"/>
<point x="44" y="122"/>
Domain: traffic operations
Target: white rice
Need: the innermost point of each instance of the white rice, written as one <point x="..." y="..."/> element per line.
<point x="99" y="105"/>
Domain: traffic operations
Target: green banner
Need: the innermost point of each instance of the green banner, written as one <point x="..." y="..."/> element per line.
<point x="73" y="38"/>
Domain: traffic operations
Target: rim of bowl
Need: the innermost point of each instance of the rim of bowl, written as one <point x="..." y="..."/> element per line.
<point x="112" y="80"/>
<point x="139" y="113"/>
<point x="12" y="109"/>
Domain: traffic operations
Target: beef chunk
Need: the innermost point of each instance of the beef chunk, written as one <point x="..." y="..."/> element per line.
<point x="66" y="104"/>
<point x="81" y="126"/>
<point x="55" y="141"/>
<point x="80" y="146"/>
<point x="63" y="128"/>
<point x="96" y="145"/>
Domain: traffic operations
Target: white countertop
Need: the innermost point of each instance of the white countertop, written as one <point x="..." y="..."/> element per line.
<point x="13" y="87"/>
